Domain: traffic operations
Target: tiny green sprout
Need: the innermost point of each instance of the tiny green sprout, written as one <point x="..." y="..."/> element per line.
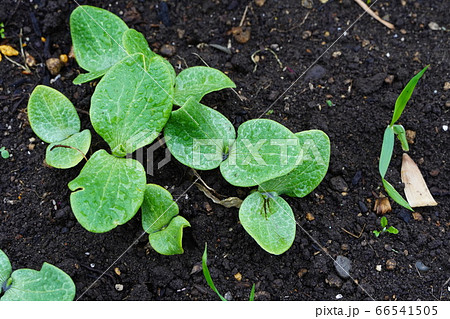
<point x="2" y="31"/>
<point x="329" y="103"/>
<point x="210" y="282"/>
<point x="384" y="223"/>
<point x="4" y="153"/>
<point x="269" y="112"/>
<point x="390" y="132"/>
<point x="48" y="284"/>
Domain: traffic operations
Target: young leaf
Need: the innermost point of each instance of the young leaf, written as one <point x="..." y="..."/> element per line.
<point x="69" y="152"/>
<point x="169" y="240"/>
<point x="198" y="81"/>
<point x="87" y="77"/>
<point x="312" y="165"/>
<point x="199" y="136"/>
<point x="158" y="208"/>
<point x="404" y="97"/>
<point x="5" y="269"/>
<point x="264" y="149"/>
<point x="97" y="38"/>
<point x="132" y="103"/>
<point x="135" y="42"/>
<point x="383" y="222"/>
<point x="392" y="230"/>
<point x="108" y="192"/>
<point x="52" y="116"/>
<point x="399" y="130"/>
<point x="252" y="294"/>
<point x="207" y="275"/>
<point x="48" y="284"/>
<point x="395" y="195"/>
<point x="270" y="221"/>
<point x="386" y="150"/>
<point x="376" y="233"/>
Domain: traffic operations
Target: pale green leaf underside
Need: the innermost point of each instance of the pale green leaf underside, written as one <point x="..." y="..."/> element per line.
<point x="135" y="42"/>
<point x="270" y="221"/>
<point x="52" y="116"/>
<point x="198" y="136"/>
<point x="132" y="103"/>
<point x="62" y="157"/>
<point x="386" y="150"/>
<point x="5" y="269"/>
<point x="97" y="38"/>
<point x="108" y="192"/>
<point x="392" y="192"/>
<point x="399" y="130"/>
<point x="312" y="165"/>
<point x="48" y="284"/>
<point x="264" y="149"/>
<point x="198" y="81"/>
<point x="169" y="241"/>
<point x="87" y="77"/>
<point x="158" y="208"/>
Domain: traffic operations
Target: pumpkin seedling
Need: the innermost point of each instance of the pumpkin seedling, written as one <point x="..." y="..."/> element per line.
<point x="210" y="282"/>
<point x="48" y="284"/>
<point x="389" y="137"/>
<point x="384" y="228"/>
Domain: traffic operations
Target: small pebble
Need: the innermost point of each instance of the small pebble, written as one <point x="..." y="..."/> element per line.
<point x="446" y="86"/>
<point x="420" y="265"/>
<point x="238" y="276"/>
<point x="338" y="184"/>
<point x="445" y="128"/>
<point x="404" y="215"/>
<point x="334" y="281"/>
<point x="309" y="216"/>
<point x="435" y="172"/>
<point x="339" y="296"/>
<point x="260" y="3"/>
<point x="391" y="264"/>
<point x="228" y="296"/>
<point x="92" y="265"/>
<point x="117" y="271"/>
<point x="362" y="207"/>
<point x="118" y="287"/>
<point x="345" y="247"/>
<point x="388" y="247"/>
<point x="434" y="26"/>
<point x="54" y="65"/>
<point x="167" y="50"/>
<point x="306" y="34"/>
<point x="378" y="268"/>
<point x="389" y="79"/>
<point x="343" y="266"/>
<point x="302" y="272"/>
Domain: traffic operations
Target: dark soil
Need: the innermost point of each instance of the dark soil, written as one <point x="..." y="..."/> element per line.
<point x="37" y="224"/>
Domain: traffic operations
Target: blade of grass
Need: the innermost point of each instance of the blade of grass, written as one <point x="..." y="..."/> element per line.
<point x="386" y="150"/>
<point x="399" y="130"/>
<point x="252" y="294"/>
<point x="395" y="195"/>
<point x="208" y="275"/>
<point x="404" y="97"/>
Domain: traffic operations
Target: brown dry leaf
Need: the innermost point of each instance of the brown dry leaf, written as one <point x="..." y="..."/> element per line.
<point x="382" y="206"/>
<point x="8" y="50"/>
<point x="416" y="190"/>
<point x="227" y="202"/>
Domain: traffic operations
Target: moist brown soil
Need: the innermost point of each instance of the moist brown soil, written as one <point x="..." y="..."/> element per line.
<point x="37" y="224"/>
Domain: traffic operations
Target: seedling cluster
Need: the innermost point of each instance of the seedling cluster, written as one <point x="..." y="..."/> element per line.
<point x="384" y="228"/>
<point x="132" y="104"/>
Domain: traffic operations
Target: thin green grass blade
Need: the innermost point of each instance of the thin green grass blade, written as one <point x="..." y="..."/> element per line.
<point x="386" y="150"/>
<point x="252" y="294"/>
<point x="399" y="130"/>
<point x="396" y="195"/>
<point x="207" y="274"/>
<point x="404" y="97"/>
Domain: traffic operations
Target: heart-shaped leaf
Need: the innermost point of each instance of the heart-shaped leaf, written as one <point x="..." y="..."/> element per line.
<point x="198" y="81"/>
<point x="264" y="149"/>
<point x="269" y="220"/>
<point x="132" y="103"/>
<point x="97" y="39"/>
<point x="52" y="116"/>
<point x="158" y="208"/>
<point x="108" y="192"/>
<point x="199" y="136"/>
<point x="69" y="152"/>
<point x="5" y="269"/>
<point x="312" y="165"/>
<point x="169" y="240"/>
<point x="48" y="284"/>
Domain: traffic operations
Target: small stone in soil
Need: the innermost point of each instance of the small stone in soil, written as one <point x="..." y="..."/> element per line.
<point x="334" y="281"/>
<point x="404" y="215"/>
<point x="378" y="268"/>
<point x="421" y="266"/>
<point x="391" y="264"/>
<point x="228" y="296"/>
<point x="167" y="50"/>
<point x="118" y="287"/>
<point x="338" y="184"/>
<point x="315" y="73"/>
<point x="356" y="178"/>
<point x="343" y="266"/>
<point x="362" y="207"/>
<point x="302" y="272"/>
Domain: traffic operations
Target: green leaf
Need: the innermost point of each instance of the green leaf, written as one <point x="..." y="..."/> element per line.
<point x="199" y="136"/>
<point x="252" y="294"/>
<point x="4" y="152"/>
<point x="5" y="269"/>
<point x="198" y="81"/>
<point x="77" y="145"/>
<point x="386" y="150"/>
<point x="395" y="195"/>
<point x="207" y="275"/>
<point x="52" y="116"/>
<point x="269" y="220"/>
<point x="87" y="77"/>
<point x="399" y="130"/>
<point x="48" y="284"/>
<point x="312" y="165"/>
<point x="135" y="42"/>
<point x="392" y="230"/>
<point x="108" y="192"/>
<point x="264" y="149"/>
<point x="132" y="103"/>
<point x="97" y="38"/>
<point x="158" y="208"/>
<point x="383" y="222"/>
<point x="404" y="97"/>
<point x="169" y="240"/>
<point x="376" y="233"/>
